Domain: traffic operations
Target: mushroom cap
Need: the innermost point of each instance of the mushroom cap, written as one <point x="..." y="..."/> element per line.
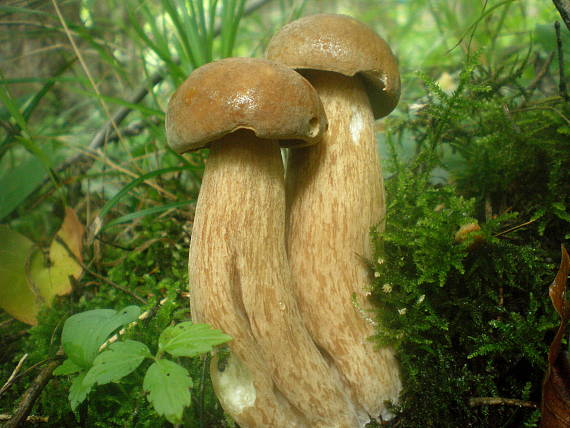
<point x="224" y="96"/>
<point x="341" y="44"/>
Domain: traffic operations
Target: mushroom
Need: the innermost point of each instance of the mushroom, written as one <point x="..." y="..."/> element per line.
<point x="335" y="195"/>
<point x="244" y="110"/>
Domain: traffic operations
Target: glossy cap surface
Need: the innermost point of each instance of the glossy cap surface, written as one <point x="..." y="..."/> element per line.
<point x="341" y="44"/>
<point x="221" y="97"/>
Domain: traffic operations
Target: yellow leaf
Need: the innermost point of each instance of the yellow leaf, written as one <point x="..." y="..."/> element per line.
<point x="52" y="278"/>
<point x="29" y="279"/>
<point x="16" y="297"/>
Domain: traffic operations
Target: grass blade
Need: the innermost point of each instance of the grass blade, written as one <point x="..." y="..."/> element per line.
<point x="115" y="199"/>
<point x="145" y="212"/>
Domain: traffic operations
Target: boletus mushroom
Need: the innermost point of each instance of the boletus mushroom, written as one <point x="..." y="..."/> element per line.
<point x="335" y="195"/>
<point x="244" y="110"/>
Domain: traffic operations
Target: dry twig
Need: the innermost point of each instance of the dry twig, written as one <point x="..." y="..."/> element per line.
<point x="10" y="380"/>
<point x="541" y="73"/>
<point x="498" y="401"/>
<point x="30" y="419"/>
<point x="146" y="314"/>
<point x="562" y="77"/>
<point x="30" y="396"/>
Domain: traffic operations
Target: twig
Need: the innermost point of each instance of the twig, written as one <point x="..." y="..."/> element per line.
<point x="541" y="73"/>
<point x="85" y="68"/>
<point x="498" y="401"/>
<point x="31" y="395"/>
<point x="563" y="7"/>
<point x="30" y="419"/>
<point x="98" y="154"/>
<point x="518" y="226"/>
<point x="562" y="84"/>
<point x="145" y="315"/>
<point x="113" y="284"/>
<point x="10" y="380"/>
<point x="6" y="323"/>
<point x="58" y="357"/>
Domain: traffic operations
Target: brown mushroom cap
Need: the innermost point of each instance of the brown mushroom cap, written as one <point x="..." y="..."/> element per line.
<point x="221" y="97"/>
<point x="343" y="45"/>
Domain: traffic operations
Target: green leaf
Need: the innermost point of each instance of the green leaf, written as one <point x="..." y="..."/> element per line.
<point x="78" y="391"/>
<point x="121" y="359"/>
<point x="16" y="296"/>
<point x="18" y="183"/>
<point x="187" y="339"/>
<point x="560" y="211"/>
<point x="125" y="190"/>
<point x="168" y="385"/>
<point x="20" y="120"/>
<point x="67" y="367"/>
<point x="85" y="332"/>
<point x="148" y="211"/>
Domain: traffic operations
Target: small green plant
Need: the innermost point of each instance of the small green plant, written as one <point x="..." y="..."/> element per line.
<point x="85" y="337"/>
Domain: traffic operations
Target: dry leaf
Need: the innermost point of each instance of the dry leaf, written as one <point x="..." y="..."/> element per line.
<point x="29" y="278"/>
<point x="555" y="407"/>
<point x="50" y="277"/>
<point x="16" y="298"/>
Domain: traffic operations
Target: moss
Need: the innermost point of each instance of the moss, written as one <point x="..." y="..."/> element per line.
<point x="472" y="318"/>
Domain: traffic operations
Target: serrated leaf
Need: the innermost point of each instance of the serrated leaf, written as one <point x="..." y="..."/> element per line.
<point x="187" y="339"/>
<point x="168" y="385"/>
<point x="119" y="360"/>
<point x="78" y="391"/>
<point x="66" y="368"/>
<point x="85" y="332"/>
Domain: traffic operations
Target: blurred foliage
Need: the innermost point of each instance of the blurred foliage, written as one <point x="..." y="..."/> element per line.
<point x="479" y="143"/>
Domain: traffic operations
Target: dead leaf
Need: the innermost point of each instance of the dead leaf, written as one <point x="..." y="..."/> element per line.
<point x="555" y="407"/>
<point x="16" y="297"/>
<point x="29" y="278"/>
<point x="51" y="277"/>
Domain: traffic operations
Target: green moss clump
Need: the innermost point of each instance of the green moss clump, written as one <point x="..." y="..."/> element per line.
<point x="470" y="316"/>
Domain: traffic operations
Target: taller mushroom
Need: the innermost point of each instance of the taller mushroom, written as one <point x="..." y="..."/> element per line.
<point x="244" y="110"/>
<point x="335" y="195"/>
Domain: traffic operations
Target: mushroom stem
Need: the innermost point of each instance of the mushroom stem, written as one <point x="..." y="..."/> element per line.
<point x="335" y="195"/>
<point x="241" y="283"/>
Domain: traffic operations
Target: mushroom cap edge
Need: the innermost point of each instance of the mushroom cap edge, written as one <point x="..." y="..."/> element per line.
<point x="341" y="44"/>
<point x="259" y="95"/>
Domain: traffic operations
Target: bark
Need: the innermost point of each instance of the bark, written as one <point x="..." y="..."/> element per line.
<point x="563" y="7"/>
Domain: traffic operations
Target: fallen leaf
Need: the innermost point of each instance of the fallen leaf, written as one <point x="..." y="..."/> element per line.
<point x="29" y="278"/>
<point x="557" y="289"/>
<point x="555" y="407"/>
<point x="16" y="297"/>
<point x="51" y="277"/>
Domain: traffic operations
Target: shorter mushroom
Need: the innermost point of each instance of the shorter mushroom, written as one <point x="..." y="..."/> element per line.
<point x="244" y="110"/>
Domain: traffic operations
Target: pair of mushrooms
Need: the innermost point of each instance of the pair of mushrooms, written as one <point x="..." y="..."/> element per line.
<point x="276" y="258"/>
